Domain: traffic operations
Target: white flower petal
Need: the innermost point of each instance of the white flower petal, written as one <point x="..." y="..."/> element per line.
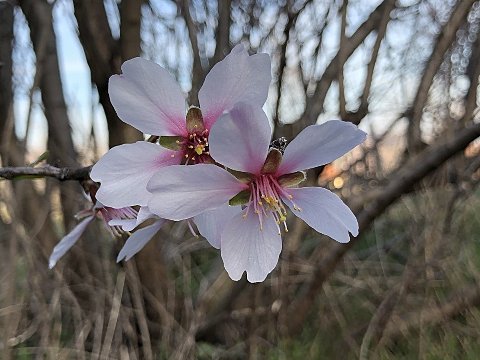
<point x="318" y="145"/>
<point x="245" y="247"/>
<point x="181" y="192"/>
<point x="125" y="224"/>
<point x="68" y="241"/>
<point x="138" y="240"/>
<point x="238" y="77"/>
<point x="324" y="211"/>
<point x="211" y="223"/>
<point x="240" y="138"/>
<point x="125" y="170"/>
<point x="147" y="97"/>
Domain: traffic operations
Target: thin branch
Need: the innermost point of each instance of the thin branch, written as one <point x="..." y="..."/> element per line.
<point x="197" y="70"/>
<point x="444" y="42"/>
<point x="61" y="174"/>
<point x="314" y="103"/>
<point x="341" y="63"/>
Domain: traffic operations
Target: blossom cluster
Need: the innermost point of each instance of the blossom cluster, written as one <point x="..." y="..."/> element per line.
<point x="215" y="165"/>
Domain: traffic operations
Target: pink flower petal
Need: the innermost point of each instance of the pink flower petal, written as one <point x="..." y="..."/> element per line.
<point x="68" y="241"/>
<point x="238" y="77"/>
<point x="318" y="145"/>
<point x="211" y="223"/>
<point x="125" y="170"/>
<point x="147" y="97"/>
<point x="138" y="240"/>
<point x="324" y="211"/>
<point x="245" y="247"/>
<point x="240" y="138"/>
<point x="181" y="192"/>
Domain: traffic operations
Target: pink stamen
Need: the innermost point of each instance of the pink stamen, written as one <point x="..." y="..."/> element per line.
<point x="265" y="199"/>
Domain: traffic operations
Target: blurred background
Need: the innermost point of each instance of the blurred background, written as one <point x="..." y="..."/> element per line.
<point x="405" y="71"/>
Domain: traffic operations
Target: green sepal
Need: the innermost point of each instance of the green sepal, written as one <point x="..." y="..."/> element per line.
<point x="241" y="198"/>
<point x="171" y="142"/>
<point x="293" y="179"/>
<point x="241" y="176"/>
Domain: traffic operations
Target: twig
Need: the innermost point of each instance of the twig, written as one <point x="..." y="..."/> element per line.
<point x="61" y="174"/>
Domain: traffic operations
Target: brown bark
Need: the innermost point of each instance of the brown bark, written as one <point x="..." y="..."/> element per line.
<point x="222" y="33"/>
<point x="130" y="46"/>
<point x="6" y="40"/>
<point x="198" y="74"/>
<point x="60" y="143"/>
<point x="104" y="56"/>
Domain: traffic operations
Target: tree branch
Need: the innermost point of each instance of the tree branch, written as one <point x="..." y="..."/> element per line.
<point x="444" y="42"/>
<point x="399" y="183"/>
<point x="61" y="174"/>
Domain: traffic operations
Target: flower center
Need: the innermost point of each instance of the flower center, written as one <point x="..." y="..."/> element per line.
<point x="265" y="199"/>
<point x="196" y="148"/>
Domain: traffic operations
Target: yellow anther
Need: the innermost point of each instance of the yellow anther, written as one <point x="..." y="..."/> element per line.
<point x="199" y="149"/>
<point x="186" y="156"/>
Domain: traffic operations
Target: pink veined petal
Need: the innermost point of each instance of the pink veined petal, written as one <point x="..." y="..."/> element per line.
<point x="68" y="241"/>
<point x="238" y="77"/>
<point x="318" y="145"/>
<point x="125" y="170"/>
<point x="130" y="224"/>
<point x="324" y="211"/>
<point x="138" y="240"/>
<point x="245" y="247"/>
<point x="180" y="192"/>
<point x="240" y="138"/>
<point x="211" y="223"/>
<point x="147" y="97"/>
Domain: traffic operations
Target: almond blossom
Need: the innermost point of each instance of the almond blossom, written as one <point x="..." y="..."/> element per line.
<point x="263" y="183"/>
<point x="119" y="221"/>
<point x="147" y="97"/>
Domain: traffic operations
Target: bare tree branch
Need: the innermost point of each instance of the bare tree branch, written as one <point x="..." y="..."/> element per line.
<point x="222" y="33"/>
<point x="443" y="43"/>
<point x="61" y="174"/>
<point x="314" y="105"/>
<point x="197" y="70"/>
